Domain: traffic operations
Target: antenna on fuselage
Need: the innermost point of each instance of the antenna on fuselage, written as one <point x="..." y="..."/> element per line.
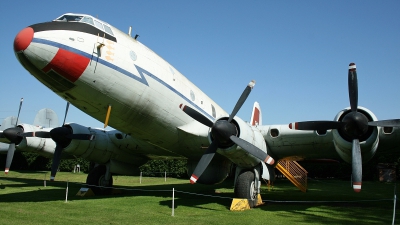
<point x="130" y="33"/>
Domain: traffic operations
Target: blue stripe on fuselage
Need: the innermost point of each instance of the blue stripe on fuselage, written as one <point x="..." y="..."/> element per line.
<point x="141" y="79"/>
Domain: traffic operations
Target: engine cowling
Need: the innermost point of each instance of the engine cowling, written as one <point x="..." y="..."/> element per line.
<point x="42" y="146"/>
<point x="97" y="149"/>
<point x="101" y="149"/>
<point x="235" y="153"/>
<point x="368" y="142"/>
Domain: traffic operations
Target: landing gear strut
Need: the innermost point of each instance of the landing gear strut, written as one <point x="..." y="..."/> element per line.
<point x="246" y="187"/>
<point x="101" y="179"/>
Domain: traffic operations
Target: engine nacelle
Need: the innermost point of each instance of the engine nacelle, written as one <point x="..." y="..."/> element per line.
<point x="42" y="146"/>
<point x="368" y="142"/>
<point x="103" y="149"/>
<point x="248" y="133"/>
<point x="98" y="149"/>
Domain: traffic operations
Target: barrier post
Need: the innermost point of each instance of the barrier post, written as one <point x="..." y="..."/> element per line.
<point x="140" y="177"/>
<point x="165" y="176"/>
<point x="66" y="193"/>
<point x="173" y="202"/>
<point x="394" y="204"/>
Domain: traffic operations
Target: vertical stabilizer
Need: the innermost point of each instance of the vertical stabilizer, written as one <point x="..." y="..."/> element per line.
<point x="256" y="117"/>
<point x="46" y="118"/>
<point x="9" y="122"/>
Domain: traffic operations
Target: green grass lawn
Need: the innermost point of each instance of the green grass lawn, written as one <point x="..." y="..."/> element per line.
<point x="25" y="200"/>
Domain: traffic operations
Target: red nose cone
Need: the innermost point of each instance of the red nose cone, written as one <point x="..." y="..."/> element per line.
<point x="23" y="39"/>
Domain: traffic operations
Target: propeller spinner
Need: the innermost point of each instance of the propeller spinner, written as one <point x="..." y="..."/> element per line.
<point x="354" y="125"/>
<point x="224" y="133"/>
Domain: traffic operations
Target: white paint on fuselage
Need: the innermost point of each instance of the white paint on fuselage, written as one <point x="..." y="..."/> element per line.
<point x="145" y="106"/>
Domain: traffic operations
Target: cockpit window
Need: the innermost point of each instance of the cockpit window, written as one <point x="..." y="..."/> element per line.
<point x="85" y="19"/>
<point x="108" y="29"/>
<point x="88" y="20"/>
<point x="70" y="18"/>
<point x="98" y="25"/>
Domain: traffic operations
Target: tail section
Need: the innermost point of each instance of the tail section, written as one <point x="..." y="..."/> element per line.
<point x="46" y="118"/>
<point x="256" y="117"/>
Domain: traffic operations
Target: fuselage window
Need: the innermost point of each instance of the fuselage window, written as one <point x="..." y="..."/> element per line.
<point x="88" y="20"/>
<point x="192" y="96"/>
<point x="98" y="25"/>
<point x="214" y="114"/>
<point x="108" y="29"/>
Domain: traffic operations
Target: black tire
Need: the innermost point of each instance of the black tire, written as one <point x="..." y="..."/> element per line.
<point x="246" y="188"/>
<point x="95" y="177"/>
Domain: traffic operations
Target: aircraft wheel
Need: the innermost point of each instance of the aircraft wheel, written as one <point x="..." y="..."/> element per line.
<point x="96" y="177"/>
<point x="246" y="187"/>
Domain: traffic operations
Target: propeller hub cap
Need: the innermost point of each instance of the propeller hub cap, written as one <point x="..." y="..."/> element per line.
<point x="222" y="130"/>
<point x="356" y="124"/>
<point x="60" y="135"/>
<point x="14" y="134"/>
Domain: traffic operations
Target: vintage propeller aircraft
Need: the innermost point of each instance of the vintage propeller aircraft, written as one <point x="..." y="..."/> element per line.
<point x="114" y="78"/>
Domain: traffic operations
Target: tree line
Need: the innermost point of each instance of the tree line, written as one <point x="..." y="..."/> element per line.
<point x="177" y="168"/>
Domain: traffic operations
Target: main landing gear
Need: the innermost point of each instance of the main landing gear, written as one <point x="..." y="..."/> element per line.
<point x="247" y="186"/>
<point x="100" y="180"/>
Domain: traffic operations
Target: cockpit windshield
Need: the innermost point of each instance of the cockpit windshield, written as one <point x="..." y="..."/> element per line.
<point x="69" y="18"/>
<point x="85" y="19"/>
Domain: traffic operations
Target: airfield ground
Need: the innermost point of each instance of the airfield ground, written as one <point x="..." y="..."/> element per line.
<point x="25" y="200"/>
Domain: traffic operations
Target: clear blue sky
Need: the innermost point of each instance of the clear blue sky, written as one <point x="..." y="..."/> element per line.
<point x="297" y="51"/>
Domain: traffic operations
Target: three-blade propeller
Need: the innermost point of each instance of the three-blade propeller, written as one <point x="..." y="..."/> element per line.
<point x="354" y="125"/>
<point x="14" y="139"/>
<point x="224" y="134"/>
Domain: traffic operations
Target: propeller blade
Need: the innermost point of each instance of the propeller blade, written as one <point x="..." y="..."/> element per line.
<point x="253" y="150"/>
<point x="353" y="87"/>
<point x="196" y="115"/>
<point x="19" y="110"/>
<point x="241" y="100"/>
<point x="10" y="155"/>
<point x="385" y="123"/>
<point x="356" y="165"/>
<point x="204" y="161"/>
<point x="56" y="162"/>
<point x="66" y="112"/>
<point x="316" y="125"/>
<point x="39" y="134"/>
<point x="81" y="136"/>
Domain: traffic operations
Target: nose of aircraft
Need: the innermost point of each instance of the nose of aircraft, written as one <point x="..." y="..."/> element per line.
<point x="23" y="39"/>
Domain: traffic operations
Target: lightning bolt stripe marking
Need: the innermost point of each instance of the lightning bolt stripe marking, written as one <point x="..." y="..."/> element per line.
<point x="141" y="78"/>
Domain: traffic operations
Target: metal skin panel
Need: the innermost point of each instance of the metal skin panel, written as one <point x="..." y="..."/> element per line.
<point x="97" y="150"/>
<point x="297" y="145"/>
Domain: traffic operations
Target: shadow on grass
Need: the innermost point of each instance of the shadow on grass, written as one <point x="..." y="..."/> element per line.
<point x="319" y="204"/>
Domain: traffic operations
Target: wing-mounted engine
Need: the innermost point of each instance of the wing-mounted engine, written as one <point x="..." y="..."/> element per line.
<point x="237" y="154"/>
<point x="228" y="133"/>
<point x="90" y="143"/>
<point x="355" y="128"/>
<point x="368" y="141"/>
<point x="32" y="141"/>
